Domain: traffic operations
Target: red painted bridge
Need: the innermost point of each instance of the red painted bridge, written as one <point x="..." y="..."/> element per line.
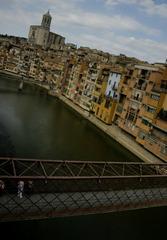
<point x="66" y="187"/>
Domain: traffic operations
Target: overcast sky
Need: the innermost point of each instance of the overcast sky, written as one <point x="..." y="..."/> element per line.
<point x="136" y="28"/>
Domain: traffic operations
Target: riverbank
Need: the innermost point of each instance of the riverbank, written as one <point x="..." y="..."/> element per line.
<point x="26" y="80"/>
<point x="115" y="132"/>
<point x="111" y="130"/>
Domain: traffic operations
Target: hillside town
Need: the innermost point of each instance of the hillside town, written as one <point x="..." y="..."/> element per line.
<point x="118" y="90"/>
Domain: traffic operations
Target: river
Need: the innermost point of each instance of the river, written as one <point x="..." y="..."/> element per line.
<point x="34" y="125"/>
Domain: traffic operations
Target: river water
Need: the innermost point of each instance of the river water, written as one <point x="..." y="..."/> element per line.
<point x="34" y="125"/>
<point x="37" y="126"/>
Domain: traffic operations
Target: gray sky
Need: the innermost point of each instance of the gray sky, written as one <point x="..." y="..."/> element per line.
<point x="133" y="27"/>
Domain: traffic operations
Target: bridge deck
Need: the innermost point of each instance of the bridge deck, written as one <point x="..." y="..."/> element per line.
<point x="63" y="187"/>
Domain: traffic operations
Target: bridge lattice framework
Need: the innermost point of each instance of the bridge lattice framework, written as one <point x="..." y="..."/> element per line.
<point x="71" y="187"/>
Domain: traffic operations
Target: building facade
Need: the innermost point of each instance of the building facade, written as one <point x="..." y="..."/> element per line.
<point x="105" y="94"/>
<point x="141" y="111"/>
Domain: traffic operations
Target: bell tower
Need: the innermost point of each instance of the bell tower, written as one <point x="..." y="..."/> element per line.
<point x="46" y="20"/>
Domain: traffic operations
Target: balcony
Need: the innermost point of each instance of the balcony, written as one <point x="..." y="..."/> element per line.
<point x="147" y="114"/>
<point x="159" y="89"/>
<point x="106" y="74"/>
<point x="157" y="147"/>
<point x="161" y="124"/>
<point x="140" y="87"/>
<point x="142" y="126"/>
<point x="131" y="128"/>
<point x="144" y="75"/>
<point x="150" y="101"/>
<point x="96" y="93"/>
<point x="162" y="114"/>
<point x="136" y="98"/>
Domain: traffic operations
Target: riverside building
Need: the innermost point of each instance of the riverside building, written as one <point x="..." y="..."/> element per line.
<point x="142" y="109"/>
<point x="132" y="96"/>
<point x="105" y="94"/>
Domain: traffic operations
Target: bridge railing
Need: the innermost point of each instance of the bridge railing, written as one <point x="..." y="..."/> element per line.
<point x="52" y="199"/>
<point x="73" y="169"/>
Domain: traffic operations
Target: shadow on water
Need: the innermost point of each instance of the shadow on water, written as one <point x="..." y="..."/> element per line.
<point x="6" y="145"/>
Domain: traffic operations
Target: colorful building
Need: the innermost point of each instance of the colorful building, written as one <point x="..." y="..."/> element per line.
<point x="105" y="94"/>
<point x="140" y="104"/>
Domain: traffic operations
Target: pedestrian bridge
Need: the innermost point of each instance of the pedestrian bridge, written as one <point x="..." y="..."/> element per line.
<point x="68" y="188"/>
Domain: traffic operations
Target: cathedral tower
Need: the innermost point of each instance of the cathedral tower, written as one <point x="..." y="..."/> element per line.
<point x="41" y="35"/>
<point x="46" y="21"/>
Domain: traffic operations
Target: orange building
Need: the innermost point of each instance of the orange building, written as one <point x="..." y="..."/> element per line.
<point x="142" y="104"/>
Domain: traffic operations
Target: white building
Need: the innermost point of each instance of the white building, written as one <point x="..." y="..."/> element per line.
<point x="42" y="36"/>
<point x="112" y="85"/>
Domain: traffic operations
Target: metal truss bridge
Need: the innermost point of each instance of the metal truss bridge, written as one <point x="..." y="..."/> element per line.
<point x="55" y="188"/>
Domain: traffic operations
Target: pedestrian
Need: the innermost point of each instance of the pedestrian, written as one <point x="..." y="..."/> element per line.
<point x="30" y="186"/>
<point x="2" y="186"/>
<point x="20" y="189"/>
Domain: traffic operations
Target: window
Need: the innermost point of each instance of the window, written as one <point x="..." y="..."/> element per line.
<point x="155" y="97"/>
<point x="142" y="135"/>
<point x="97" y="111"/>
<point x="125" y="80"/>
<point x="164" y="149"/>
<point x="114" y="87"/>
<point x="95" y="99"/>
<point x="163" y="84"/>
<point x="131" y="116"/>
<point x="146" y="122"/>
<point x="101" y="114"/>
<point x="107" y="103"/>
<point x="162" y="114"/>
<point x="144" y="73"/>
<point x="97" y="89"/>
<point x="130" y="72"/>
<point x="150" y="109"/>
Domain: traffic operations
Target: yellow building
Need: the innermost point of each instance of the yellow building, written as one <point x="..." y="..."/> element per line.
<point x="106" y="95"/>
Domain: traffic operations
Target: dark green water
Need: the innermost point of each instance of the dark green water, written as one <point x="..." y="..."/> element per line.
<point x="38" y="126"/>
<point x="33" y="125"/>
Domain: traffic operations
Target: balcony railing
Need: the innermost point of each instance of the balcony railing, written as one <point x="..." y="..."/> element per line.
<point x="139" y="99"/>
<point x="140" y="87"/>
<point x="156" y="141"/>
<point x="159" y="89"/>
<point x="144" y="76"/>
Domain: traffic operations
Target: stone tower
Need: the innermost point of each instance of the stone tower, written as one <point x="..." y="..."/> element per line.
<point x="46" y="21"/>
<point x="41" y="35"/>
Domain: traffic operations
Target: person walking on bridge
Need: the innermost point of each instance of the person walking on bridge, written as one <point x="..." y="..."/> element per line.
<point x="2" y="187"/>
<point x="20" y="189"/>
